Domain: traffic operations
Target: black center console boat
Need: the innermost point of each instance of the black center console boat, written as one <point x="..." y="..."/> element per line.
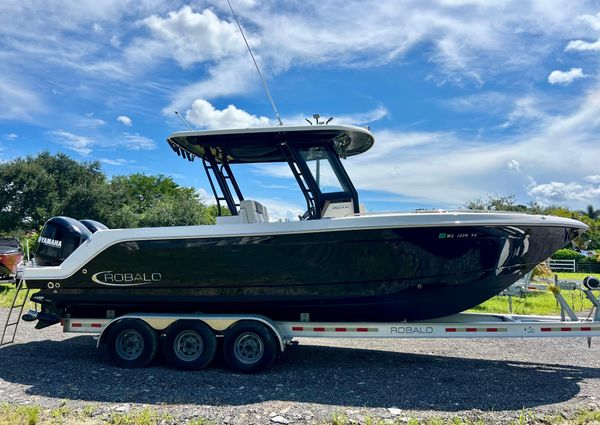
<point x="336" y="263"/>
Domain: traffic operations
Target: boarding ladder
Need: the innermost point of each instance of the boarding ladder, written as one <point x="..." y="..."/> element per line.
<point x="9" y="331"/>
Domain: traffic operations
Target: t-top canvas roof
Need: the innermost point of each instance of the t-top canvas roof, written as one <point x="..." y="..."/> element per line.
<point x="251" y="145"/>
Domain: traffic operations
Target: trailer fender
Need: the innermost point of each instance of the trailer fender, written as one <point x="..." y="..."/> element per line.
<point x="271" y="325"/>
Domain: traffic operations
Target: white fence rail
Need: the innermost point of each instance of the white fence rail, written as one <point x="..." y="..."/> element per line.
<point x="562" y="265"/>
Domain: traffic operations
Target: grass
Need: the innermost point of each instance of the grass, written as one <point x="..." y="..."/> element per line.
<point x="7" y="293"/>
<point x="587" y="417"/>
<point x="145" y="416"/>
<point x="19" y="415"/>
<point x="539" y="303"/>
<point x="11" y="414"/>
<point x="575" y="276"/>
<point x="536" y="303"/>
<point x="582" y="417"/>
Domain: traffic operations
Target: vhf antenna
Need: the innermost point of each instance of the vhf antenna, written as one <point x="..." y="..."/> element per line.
<point x="183" y="119"/>
<point x="264" y="82"/>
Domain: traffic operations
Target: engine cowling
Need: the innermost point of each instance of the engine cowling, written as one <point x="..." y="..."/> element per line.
<point x="93" y="225"/>
<point x="59" y="238"/>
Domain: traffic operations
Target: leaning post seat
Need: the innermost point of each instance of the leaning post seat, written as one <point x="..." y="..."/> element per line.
<point x="250" y="212"/>
<point x="253" y="212"/>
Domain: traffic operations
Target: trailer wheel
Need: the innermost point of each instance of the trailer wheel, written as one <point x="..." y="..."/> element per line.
<point x="189" y="345"/>
<point x="249" y="347"/>
<point x="132" y="343"/>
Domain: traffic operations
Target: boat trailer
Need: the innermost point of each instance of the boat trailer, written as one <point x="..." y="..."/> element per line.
<point x="251" y="342"/>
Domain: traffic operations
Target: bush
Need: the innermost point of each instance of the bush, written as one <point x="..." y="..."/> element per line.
<point x="568" y="254"/>
<point x="588" y="260"/>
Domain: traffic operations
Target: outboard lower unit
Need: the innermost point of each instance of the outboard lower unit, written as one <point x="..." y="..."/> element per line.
<point x="59" y="238"/>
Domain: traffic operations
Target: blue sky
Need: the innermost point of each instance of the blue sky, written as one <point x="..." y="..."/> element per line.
<point x="465" y="98"/>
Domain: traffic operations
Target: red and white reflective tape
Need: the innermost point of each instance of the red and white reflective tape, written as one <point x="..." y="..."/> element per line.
<point x="572" y="329"/>
<point x="334" y="329"/>
<point x="476" y="330"/>
<point x="85" y="325"/>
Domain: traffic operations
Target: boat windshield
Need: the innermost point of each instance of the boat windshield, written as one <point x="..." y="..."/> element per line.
<point x="318" y="160"/>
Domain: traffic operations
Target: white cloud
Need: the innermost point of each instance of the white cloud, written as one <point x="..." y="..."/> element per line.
<point x="116" y="161"/>
<point x="466" y="42"/>
<point x="565" y="77"/>
<point x="560" y="192"/>
<point x="229" y="77"/>
<point x="443" y="169"/>
<point x="136" y="142"/>
<point x="525" y="109"/>
<point x="115" y="42"/>
<point x="460" y="40"/>
<point x="80" y="144"/>
<point x="17" y="101"/>
<point x="514" y="165"/>
<point x="280" y="210"/>
<point x="592" y="20"/>
<point x="125" y="120"/>
<point x="11" y="136"/>
<point x="593" y="178"/>
<point x="583" y="46"/>
<point x="188" y="37"/>
<point x="359" y="118"/>
<point x="84" y="145"/>
<point x="90" y="122"/>
<point x="491" y="101"/>
<point x="205" y="115"/>
<point x="205" y="196"/>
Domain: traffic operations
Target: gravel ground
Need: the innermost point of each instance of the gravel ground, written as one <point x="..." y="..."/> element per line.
<point x="310" y="382"/>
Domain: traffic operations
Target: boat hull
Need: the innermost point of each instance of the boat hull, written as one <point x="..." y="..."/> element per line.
<point x="10" y="258"/>
<point x="371" y="274"/>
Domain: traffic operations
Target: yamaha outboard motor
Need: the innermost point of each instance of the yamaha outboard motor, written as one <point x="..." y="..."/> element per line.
<point x="93" y="225"/>
<point x="59" y="238"/>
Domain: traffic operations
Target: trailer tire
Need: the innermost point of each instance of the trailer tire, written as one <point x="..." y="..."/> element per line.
<point x="132" y="343"/>
<point x="189" y="345"/>
<point x="249" y="347"/>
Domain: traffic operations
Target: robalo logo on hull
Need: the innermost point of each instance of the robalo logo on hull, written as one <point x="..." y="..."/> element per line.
<point x="111" y="278"/>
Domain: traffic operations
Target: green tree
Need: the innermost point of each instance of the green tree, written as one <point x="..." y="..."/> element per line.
<point x="152" y="201"/>
<point x="496" y="203"/>
<point x="592" y="213"/>
<point x="32" y="189"/>
<point x="590" y="240"/>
